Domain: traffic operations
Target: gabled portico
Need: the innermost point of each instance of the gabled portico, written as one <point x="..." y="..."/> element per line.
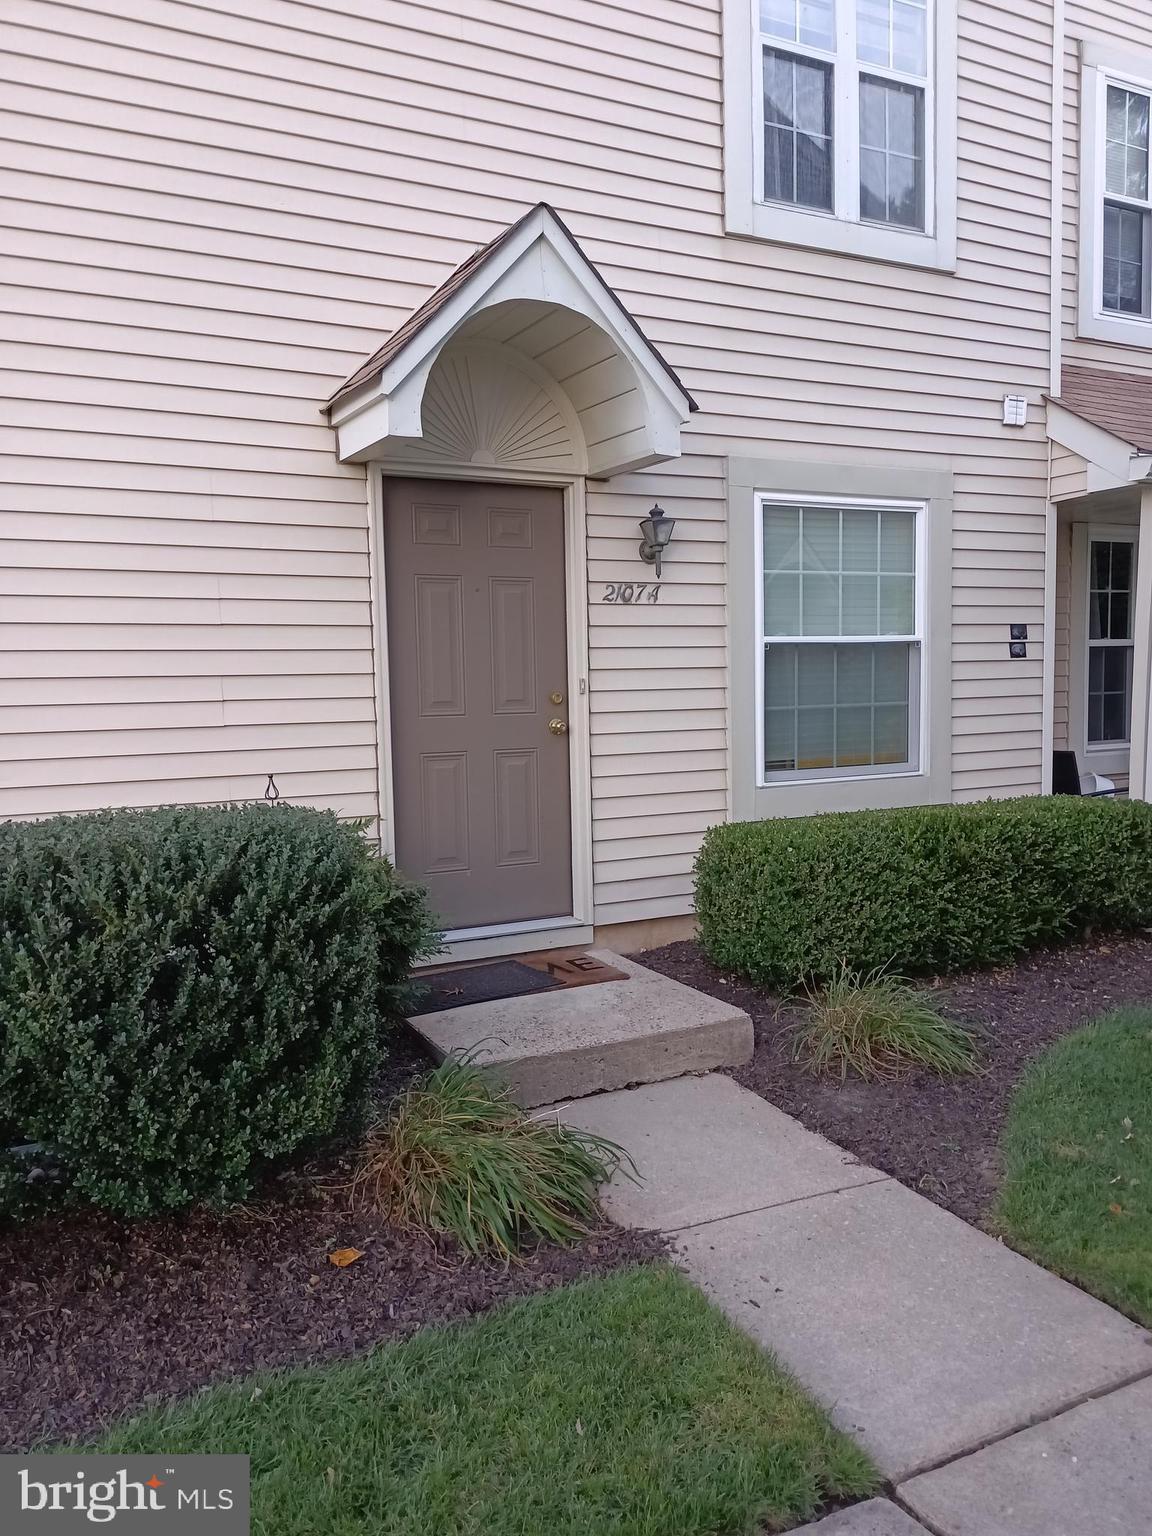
<point x="1100" y="428"/>
<point x="523" y="358"/>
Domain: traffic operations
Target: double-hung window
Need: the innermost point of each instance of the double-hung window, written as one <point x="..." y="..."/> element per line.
<point x="1111" y="592"/>
<point x="1127" y="212"/>
<point x="841" y="642"/>
<point x="843" y="110"/>
<point x="1115" y="257"/>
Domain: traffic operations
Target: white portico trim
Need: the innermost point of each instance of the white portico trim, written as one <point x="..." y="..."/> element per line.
<point x="528" y="306"/>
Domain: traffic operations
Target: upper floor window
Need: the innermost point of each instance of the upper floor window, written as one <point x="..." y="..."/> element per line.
<point x="839" y="125"/>
<point x="1124" y="285"/>
<point x="871" y="165"/>
<point x="1115" y="255"/>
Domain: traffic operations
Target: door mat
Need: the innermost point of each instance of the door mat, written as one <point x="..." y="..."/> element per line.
<point x="574" y="970"/>
<point x="499" y="979"/>
<point x="479" y="984"/>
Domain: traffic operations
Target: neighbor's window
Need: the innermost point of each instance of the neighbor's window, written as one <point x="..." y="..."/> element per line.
<point x="1127" y="210"/>
<point x="847" y="88"/>
<point x="1111" y="589"/>
<point x="842" y="651"/>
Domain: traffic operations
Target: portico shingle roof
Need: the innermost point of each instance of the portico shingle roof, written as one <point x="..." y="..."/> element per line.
<point x="1119" y="403"/>
<point x="436" y="301"/>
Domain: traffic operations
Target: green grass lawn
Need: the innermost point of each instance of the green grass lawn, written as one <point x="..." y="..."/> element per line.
<point x="1078" y="1153"/>
<point x="619" y="1407"/>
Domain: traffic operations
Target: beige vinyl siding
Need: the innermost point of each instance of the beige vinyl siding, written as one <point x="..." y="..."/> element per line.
<point x="1123" y="25"/>
<point x="214" y="217"/>
<point x="1069" y="474"/>
<point x="659" y="694"/>
<point x="140" y="665"/>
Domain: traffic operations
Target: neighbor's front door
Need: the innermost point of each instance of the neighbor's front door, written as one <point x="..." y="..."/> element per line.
<point x="478" y="679"/>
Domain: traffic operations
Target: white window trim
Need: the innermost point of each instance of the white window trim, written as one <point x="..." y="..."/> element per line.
<point x="1113" y="756"/>
<point x="749" y="481"/>
<point x="1101" y="67"/>
<point x="747" y="214"/>
<point x="918" y="714"/>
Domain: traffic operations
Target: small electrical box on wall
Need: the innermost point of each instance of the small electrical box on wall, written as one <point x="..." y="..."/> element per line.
<point x="1018" y="641"/>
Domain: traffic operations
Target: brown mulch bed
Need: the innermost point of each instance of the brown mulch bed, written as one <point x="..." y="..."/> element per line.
<point x="98" y="1316"/>
<point x="938" y="1135"/>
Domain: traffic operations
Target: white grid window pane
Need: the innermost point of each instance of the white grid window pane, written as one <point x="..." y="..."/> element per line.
<point x="1109" y="695"/>
<point x="1125" y="259"/>
<point x="891" y="153"/>
<point x="811" y="22"/>
<point x="897" y="542"/>
<point x="782" y="600"/>
<point x="782" y="540"/>
<point x="1110" y="590"/>
<point x="910" y="37"/>
<point x="819" y="539"/>
<point x="836" y="707"/>
<point x="859" y="614"/>
<point x="819" y="604"/>
<point x="797" y="130"/>
<point x="860" y="544"/>
<point x="894" y="34"/>
<point x="1126" y="144"/>
<point x="897" y="605"/>
<point x="832" y="571"/>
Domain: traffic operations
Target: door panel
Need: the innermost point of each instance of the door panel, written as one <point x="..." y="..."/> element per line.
<point x="476" y="646"/>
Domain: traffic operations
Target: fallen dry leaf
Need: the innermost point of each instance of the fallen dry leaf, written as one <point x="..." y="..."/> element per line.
<point x="342" y="1257"/>
<point x="1117" y="1210"/>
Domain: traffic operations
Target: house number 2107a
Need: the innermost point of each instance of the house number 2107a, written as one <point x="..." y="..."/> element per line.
<point x="632" y="592"/>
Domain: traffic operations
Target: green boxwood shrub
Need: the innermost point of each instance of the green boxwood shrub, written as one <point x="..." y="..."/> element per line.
<point x="928" y="889"/>
<point x="188" y="996"/>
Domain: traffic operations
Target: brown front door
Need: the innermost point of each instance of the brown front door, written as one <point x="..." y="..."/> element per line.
<point x="478" y="677"/>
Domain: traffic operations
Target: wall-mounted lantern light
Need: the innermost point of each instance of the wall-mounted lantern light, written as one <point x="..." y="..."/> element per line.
<point x="656" y="531"/>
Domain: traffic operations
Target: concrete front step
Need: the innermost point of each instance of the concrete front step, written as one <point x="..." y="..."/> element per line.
<point x="576" y="1041"/>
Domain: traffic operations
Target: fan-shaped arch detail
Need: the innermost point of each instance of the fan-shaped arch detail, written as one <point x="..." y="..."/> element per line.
<point x="485" y="406"/>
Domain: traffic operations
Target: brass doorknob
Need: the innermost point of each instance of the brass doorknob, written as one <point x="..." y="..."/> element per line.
<point x="558" y="727"/>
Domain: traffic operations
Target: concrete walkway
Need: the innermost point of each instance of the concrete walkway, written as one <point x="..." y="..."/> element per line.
<point x="959" y="1365"/>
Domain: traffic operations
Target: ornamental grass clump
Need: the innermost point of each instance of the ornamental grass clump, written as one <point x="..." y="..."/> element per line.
<point x="876" y="1026"/>
<point x="457" y="1156"/>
